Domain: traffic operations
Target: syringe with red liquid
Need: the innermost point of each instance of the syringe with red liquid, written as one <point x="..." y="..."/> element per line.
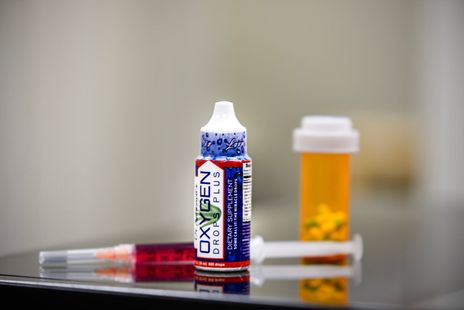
<point x="183" y="253"/>
<point x="179" y="253"/>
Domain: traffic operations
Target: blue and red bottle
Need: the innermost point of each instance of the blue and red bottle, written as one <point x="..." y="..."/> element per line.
<point x="222" y="202"/>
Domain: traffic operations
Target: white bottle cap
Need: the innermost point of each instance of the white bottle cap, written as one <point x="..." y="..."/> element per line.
<point x="326" y="134"/>
<point x="223" y="119"/>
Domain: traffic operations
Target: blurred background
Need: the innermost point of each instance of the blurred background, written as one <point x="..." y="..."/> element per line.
<point x="101" y="103"/>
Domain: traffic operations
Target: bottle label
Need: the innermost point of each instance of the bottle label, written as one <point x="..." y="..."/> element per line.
<point x="222" y="214"/>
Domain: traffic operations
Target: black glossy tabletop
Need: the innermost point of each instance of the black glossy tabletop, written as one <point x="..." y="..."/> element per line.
<point x="413" y="256"/>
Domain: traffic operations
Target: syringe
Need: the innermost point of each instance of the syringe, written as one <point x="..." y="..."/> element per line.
<point x="261" y="250"/>
<point x="124" y="253"/>
<point x="183" y="253"/>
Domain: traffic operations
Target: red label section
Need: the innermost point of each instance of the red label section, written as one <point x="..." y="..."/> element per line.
<point x="223" y="163"/>
<point x="222" y="264"/>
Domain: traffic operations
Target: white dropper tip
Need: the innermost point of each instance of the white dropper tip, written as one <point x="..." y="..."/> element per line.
<point x="223" y="119"/>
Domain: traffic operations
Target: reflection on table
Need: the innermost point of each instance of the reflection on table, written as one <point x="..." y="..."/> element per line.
<point x="329" y="289"/>
<point x="319" y="283"/>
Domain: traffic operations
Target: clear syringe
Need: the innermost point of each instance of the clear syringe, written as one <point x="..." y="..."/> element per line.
<point x="184" y="252"/>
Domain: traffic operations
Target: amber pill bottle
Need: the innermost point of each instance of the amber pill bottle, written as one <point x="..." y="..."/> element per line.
<point x="325" y="144"/>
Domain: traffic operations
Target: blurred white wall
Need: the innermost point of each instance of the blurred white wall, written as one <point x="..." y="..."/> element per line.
<point x="101" y="103"/>
<point x="439" y="100"/>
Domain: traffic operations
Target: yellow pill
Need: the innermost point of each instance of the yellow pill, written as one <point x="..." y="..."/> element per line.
<point x="315" y="234"/>
<point x="326" y="289"/>
<point x="327" y="226"/>
<point x="322" y="218"/>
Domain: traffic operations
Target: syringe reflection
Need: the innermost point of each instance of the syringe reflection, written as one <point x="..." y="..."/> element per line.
<point x="235" y="283"/>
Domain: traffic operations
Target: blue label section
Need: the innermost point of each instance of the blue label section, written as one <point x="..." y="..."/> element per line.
<point x="226" y="145"/>
<point x="242" y="288"/>
<point x="237" y="233"/>
<point x="214" y="285"/>
<point x="246" y="235"/>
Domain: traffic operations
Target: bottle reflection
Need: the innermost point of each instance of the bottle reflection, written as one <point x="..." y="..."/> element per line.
<point x="331" y="290"/>
<point x="223" y="283"/>
<point x="226" y="283"/>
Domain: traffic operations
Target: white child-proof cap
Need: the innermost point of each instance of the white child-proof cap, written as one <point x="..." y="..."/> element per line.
<point x="326" y="134"/>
